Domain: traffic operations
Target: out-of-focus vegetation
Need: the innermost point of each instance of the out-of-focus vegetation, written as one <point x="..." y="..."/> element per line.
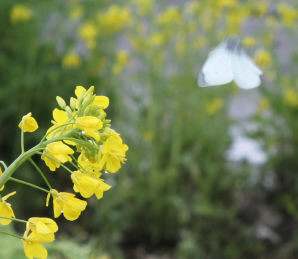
<point x="178" y="195"/>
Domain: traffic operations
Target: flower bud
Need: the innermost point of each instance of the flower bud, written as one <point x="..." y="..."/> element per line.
<point x="69" y="111"/>
<point x="61" y="102"/>
<point x="73" y="102"/>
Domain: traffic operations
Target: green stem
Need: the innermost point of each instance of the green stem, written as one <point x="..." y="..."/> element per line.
<point x="14" y="219"/>
<point x="40" y="172"/>
<point x="10" y="234"/>
<point x="72" y="163"/>
<point x="63" y="137"/>
<point x="19" y="161"/>
<point x="28" y="184"/>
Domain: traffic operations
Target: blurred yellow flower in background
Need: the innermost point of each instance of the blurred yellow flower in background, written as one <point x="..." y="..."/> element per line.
<point x="144" y="6"/>
<point x="114" y="19"/>
<point x="263" y="58"/>
<point x="156" y="39"/>
<point x="227" y="3"/>
<point x="122" y="61"/>
<point x="291" y="97"/>
<point x="76" y="13"/>
<point x="20" y="13"/>
<point x="214" y="106"/>
<point x="88" y="32"/>
<point x="248" y="42"/>
<point x="170" y="16"/>
<point x="289" y="14"/>
<point x="263" y="105"/>
<point x="71" y="60"/>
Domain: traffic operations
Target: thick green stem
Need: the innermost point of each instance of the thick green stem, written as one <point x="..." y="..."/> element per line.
<point x="19" y="161"/>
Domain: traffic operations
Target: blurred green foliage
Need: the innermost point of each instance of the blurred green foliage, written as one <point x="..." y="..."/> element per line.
<point x="178" y="195"/>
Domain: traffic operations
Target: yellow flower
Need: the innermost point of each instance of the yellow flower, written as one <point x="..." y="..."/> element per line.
<point x="58" y="151"/>
<point x="102" y="101"/>
<point x="2" y="187"/>
<point x="249" y="41"/>
<point x="20" y="13"/>
<point x="79" y="91"/>
<point x="89" y="164"/>
<point x="291" y="97"/>
<point x="60" y="118"/>
<point x="88" y="184"/>
<point x="214" y="106"/>
<point x="90" y="126"/>
<point x="34" y="249"/>
<point x="30" y="124"/>
<point x="71" y="60"/>
<point x="113" y="154"/>
<point x="42" y="226"/>
<point x="32" y="246"/>
<point x="67" y="203"/>
<point x="6" y="210"/>
<point x="263" y="58"/>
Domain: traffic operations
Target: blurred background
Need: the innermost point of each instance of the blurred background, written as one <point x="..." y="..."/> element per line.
<point x="211" y="172"/>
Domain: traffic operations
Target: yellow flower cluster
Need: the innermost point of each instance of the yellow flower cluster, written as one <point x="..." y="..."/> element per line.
<point x="20" y="13"/>
<point x="80" y="134"/>
<point x="83" y="125"/>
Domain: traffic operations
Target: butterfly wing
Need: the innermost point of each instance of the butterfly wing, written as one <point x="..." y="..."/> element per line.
<point x="246" y="73"/>
<point x="217" y="69"/>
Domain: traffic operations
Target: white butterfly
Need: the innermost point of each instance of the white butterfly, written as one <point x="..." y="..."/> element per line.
<point x="228" y="62"/>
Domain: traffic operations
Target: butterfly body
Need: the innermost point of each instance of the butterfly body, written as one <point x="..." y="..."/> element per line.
<point x="228" y="62"/>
